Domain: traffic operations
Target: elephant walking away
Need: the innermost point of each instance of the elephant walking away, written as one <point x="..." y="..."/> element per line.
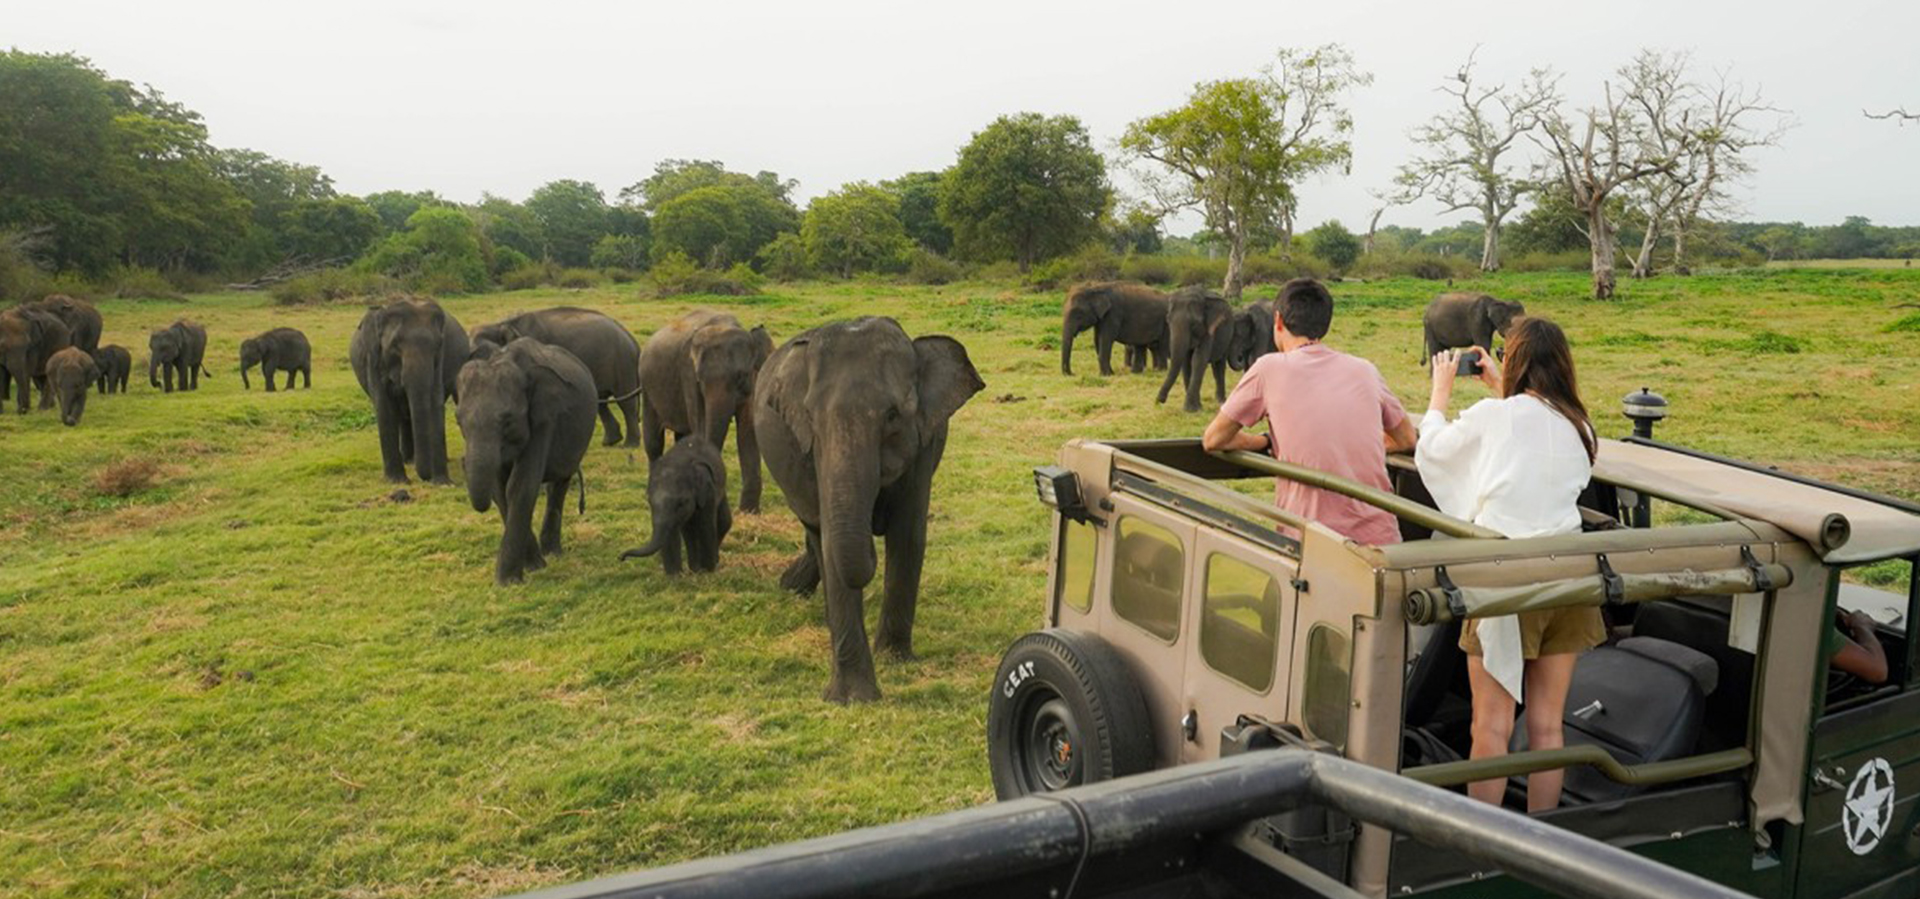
<point x="687" y="492"/>
<point x="853" y="416"/>
<point x="69" y="373"/>
<point x="526" y="411"/>
<point x="28" y="339"/>
<point x="277" y="350"/>
<point x="1124" y="312"/>
<point x="82" y="320"/>
<point x="697" y="376"/>
<point x="179" y="348"/>
<point x="1200" y="330"/>
<point x="407" y="357"/>
<point x="602" y="344"/>
<point x="116" y="366"/>
<point x="1455" y="320"/>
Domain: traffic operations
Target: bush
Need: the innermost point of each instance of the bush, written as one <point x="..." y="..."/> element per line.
<point x="622" y="275"/>
<point x="924" y="266"/>
<point x="1191" y="270"/>
<point x="1538" y="261"/>
<point x="138" y="283"/>
<point x="998" y="271"/>
<point x="1091" y="263"/>
<point x="628" y="251"/>
<point x="577" y="278"/>
<point x="1147" y="269"/>
<point x="675" y="275"/>
<point x="1426" y="266"/>
<point x="507" y="259"/>
<point x="785" y="259"/>
<point x="330" y="285"/>
<point x="125" y="477"/>
<point x="529" y="276"/>
<point x="1281" y="269"/>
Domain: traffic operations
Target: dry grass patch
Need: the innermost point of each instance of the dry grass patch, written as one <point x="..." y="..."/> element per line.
<point x="126" y="477"/>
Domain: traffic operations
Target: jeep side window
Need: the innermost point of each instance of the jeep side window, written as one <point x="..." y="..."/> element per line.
<point x="1078" y="542"/>
<point x="1329" y="670"/>
<point x="1239" y="622"/>
<point x="1148" y="568"/>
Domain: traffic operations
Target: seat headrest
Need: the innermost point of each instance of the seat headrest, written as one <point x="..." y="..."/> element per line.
<point x="1689" y="661"/>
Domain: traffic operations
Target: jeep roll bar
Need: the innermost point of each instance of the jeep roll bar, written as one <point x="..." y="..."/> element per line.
<point x="1446" y="602"/>
<point x="1530" y="761"/>
<point x="1157" y="834"/>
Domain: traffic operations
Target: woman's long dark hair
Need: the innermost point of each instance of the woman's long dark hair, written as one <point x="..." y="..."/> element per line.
<point x="1540" y="362"/>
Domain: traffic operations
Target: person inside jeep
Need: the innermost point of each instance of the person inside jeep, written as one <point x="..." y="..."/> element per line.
<point x="1853" y="648"/>
<point x="1324" y="409"/>
<point x="1516" y="463"/>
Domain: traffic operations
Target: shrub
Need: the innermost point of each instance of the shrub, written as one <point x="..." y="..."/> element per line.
<point x="438" y="253"/>
<point x="1191" y="270"/>
<point x="628" y="251"/>
<point x="125" y="477"/>
<point x="507" y="259"/>
<point x="622" y="275"/>
<point x="138" y="283"/>
<point x="1281" y="269"/>
<point x="924" y="266"/>
<point x="998" y="271"/>
<point x="1334" y="243"/>
<point x="577" y="278"/>
<point x="1147" y="269"/>
<point x="528" y="276"/>
<point x="332" y="285"/>
<point x="1538" y="261"/>
<point x="1091" y="263"/>
<point x="785" y="259"/>
<point x="674" y="275"/>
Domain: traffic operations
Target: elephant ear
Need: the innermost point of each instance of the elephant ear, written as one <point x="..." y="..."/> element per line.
<point x="762" y="345"/>
<point x="792" y="404"/>
<point x="947" y="381"/>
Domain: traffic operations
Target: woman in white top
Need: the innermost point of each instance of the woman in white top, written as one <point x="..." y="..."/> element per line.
<point x="1516" y="463"/>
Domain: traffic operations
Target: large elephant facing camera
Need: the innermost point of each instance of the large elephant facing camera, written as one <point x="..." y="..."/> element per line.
<point x="526" y="413"/>
<point x="1200" y="327"/>
<point x="853" y="421"/>
<point x="177" y="349"/>
<point x="1124" y="312"/>
<point x="406" y="356"/>
<point x="1455" y="320"/>
<point x="28" y="339"/>
<point x="697" y="376"/>
<point x="601" y="344"/>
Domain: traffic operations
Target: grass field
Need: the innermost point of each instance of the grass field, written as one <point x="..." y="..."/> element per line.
<point x="1841" y="263"/>
<point x="266" y="675"/>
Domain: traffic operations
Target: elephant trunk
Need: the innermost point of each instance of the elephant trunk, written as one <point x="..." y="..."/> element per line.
<point x="153" y="370"/>
<point x="425" y="398"/>
<point x="668" y="521"/>
<point x="484" y="475"/>
<point x="718" y="402"/>
<point x="243" y="375"/>
<point x="849" y="485"/>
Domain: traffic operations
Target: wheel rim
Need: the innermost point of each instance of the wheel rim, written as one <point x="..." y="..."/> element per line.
<point x="1049" y="750"/>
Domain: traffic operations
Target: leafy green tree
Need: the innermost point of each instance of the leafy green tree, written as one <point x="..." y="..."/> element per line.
<point x="919" y="194"/>
<point x="784" y="259"/>
<point x="674" y="178"/>
<point x="175" y="211"/>
<point x="396" y="206"/>
<point x="505" y="223"/>
<point x="721" y="224"/>
<point x="854" y="229"/>
<point x="1136" y="230"/>
<point x="1334" y="243"/>
<point x="1238" y="147"/>
<point x="273" y="186"/>
<point x="573" y="216"/>
<point x="440" y="249"/>
<point x="1025" y="188"/>
<point x="628" y="251"/>
<point x="326" y="229"/>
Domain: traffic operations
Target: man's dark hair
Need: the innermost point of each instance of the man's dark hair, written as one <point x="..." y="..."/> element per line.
<point x="1305" y="308"/>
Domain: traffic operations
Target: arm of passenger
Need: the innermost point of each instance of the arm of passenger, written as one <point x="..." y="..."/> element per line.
<point x="1245" y="406"/>
<point x="1861" y="655"/>
<point x="1445" y="456"/>
<point x="1224" y="433"/>
<point x="1404" y="437"/>
<point x="1397" y="426"/>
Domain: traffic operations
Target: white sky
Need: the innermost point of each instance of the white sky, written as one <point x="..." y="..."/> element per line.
<point x="461" y="97"/>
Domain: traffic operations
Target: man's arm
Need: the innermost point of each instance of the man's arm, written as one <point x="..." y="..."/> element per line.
<point x="1223" y="433"/>
<point x="1861" y="655"/>
<point x="1404" y="437"/>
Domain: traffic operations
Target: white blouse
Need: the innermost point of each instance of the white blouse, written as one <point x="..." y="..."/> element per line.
<point x="1513" y="465"/>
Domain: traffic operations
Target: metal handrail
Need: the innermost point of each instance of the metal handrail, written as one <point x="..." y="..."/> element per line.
<point x="1514" y="764"/>
<point x="1419" y="514"/>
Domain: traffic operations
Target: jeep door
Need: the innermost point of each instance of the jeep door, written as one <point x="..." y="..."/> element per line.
<point x="1142" y="616"/>
<point x="1241" y="620"/>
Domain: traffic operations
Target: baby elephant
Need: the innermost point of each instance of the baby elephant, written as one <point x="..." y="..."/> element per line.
<point x="281" y="349"/>
<point x="69" y="373"/>
<point x="527" y="413"/>
<point x="1456" y="320"/>
<point x="116" y="366"/>
<point x="687" y="490"/>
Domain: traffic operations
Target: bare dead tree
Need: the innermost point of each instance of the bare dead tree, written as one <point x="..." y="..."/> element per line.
<point x="1658" y="89"/>
<point x="1899" y="114"/>
<point x="1594" y="158"/>
<point x="1459" y="165"/>
<point x="288" y="269"/>
<point x="1732" y="122"/>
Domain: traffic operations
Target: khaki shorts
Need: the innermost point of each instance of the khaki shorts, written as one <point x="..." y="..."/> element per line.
<point x="1548" y="633"/>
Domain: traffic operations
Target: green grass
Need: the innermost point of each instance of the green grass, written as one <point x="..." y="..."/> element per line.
<point x="267" y="675"/>
<point x="1840" y="263"/>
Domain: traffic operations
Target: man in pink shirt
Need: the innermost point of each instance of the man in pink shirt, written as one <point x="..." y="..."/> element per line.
<point x="1324" y="409"/>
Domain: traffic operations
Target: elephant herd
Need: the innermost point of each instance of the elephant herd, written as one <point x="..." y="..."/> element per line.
<point x="850" y="417"/>
<point x="53" y="345"/>
<point x="1194" y="329"/>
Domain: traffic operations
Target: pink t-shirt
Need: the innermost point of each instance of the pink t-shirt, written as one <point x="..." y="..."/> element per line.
<point x="1330" y="411"/>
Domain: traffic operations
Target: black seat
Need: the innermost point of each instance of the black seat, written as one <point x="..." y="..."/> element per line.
<point x="1700" y="622"/>
<point x="1431" y="669"/>
<point x="1642" y="700"/>
<point x="1146" y="584"/>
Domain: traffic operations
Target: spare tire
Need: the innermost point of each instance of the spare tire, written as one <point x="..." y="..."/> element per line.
<point x="1065" y="711"/>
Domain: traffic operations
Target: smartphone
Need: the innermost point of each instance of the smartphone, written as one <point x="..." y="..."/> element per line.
<point x="1469" y="363"/>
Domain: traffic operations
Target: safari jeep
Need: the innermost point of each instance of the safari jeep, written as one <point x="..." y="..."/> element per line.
<point x="1190" y="620"/>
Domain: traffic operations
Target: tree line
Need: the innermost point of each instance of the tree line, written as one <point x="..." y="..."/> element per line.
<point x="98" y="175"/>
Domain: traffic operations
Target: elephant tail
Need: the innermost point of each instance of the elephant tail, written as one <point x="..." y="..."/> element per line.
<point x="582" y="475"/>
<point x="621" y="398"/>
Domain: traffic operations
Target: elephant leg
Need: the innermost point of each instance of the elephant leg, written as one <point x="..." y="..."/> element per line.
<point x="1220" y="381"/>
<point x="803" y="573"/>
<point x="1196" y="373"/>
<point x="46" y="392"/>
<point x="267" y="373"/>
<point x="193" y="373"/>
<point x="853" y="676"/>
<point x="393" y="439"/>
<point x="670" y="551"/>
<point x="1166" y="384"/>
<point x="630" y="410"/>
<point x="556" y="506"/>
<point x="655" y="432"/>
<point x="703" y="540"/>
<point x="1136" y="359"/>
<point x="608" y="423"/>
<point x="1103" y="349"/>
<point x="749" y="446"/>
<point x="906" y="554"/>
